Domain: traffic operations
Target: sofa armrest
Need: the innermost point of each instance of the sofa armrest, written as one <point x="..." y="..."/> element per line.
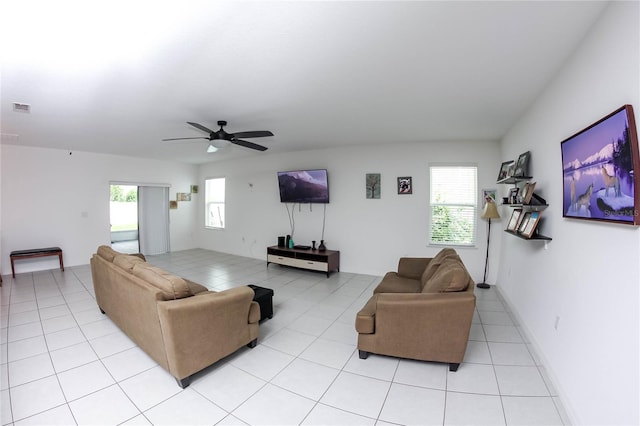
<point x="403" y="316"/>
<point x="201" y="329"/>
<point x="412" y="267"/>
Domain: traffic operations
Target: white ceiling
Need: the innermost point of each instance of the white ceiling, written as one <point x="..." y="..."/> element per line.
<point x="117" y="77"/>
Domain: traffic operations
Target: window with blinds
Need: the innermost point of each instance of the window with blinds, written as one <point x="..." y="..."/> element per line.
<point x="214" y="203"/>
<point x="453" y="202"/>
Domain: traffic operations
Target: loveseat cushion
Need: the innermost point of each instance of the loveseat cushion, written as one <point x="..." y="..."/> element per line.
<point x="394" y="283"/>
<point x="434" y="264"/>
<point x="172" y="286"/>
<point x="107" y="253"/>
<point x="195" y="287"/>
<point x="450" y="276"/>
<point x="127" y="262"/>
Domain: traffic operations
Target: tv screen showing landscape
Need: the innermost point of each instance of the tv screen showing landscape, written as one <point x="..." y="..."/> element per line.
<point x="304" y="186"/>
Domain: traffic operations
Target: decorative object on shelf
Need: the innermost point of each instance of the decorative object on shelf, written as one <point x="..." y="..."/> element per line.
<point x="489" y="212"/>
<point x="291" y="243"/>
<point x="522" y="165"/>
<point x="173" y="204"/>
<point x="313" y="245"/>
<point x="373" y="185"/>
<point x="600" y="166"/>
<point x="532" y="222"/>
<point x="287" y="240"/>
<point x="513" y="195"/>
<point x="281" y="241"/>
<point x="515" y="219"/>
<point x="527" y="192"/>
<point x="524" y="220"/>
<point x="183" y="196"/>
<point x="322" y="247"/>
<point x="504" y="170"/>
<point x="404" y="185"/>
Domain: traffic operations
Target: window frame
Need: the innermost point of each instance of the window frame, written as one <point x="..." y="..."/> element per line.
<point x="472" y="204"/>
<point x="222" y="203"/>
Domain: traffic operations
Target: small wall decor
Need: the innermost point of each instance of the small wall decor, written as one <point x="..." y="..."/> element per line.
<point x="504" y="170"/>
<point x="404" y="185"/>
<point x="194" y="189"/>
<point x="373" y="185"/>
<point x="488" y="193"/>
<point x="183" y="196"/>
<point x="173" y="204"/>
<point x="522" y="165"/>
<point x="600" y="166"/>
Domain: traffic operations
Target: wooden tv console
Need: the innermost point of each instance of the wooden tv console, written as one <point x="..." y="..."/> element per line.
<point x="315" y="260"/>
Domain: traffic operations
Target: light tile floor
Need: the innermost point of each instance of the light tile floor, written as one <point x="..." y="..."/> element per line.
<point x="62" y="362"/>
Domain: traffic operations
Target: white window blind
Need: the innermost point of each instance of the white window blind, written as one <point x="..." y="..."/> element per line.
<point x="453" y="204"/>
<point x="214" y="203"/>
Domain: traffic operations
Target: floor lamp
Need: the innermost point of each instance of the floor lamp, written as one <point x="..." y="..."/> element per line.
<point x="490" y="212"/>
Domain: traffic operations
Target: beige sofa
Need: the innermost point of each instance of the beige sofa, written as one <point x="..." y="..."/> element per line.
<point x="180" y="324"/>
<point x="424" y="311"/>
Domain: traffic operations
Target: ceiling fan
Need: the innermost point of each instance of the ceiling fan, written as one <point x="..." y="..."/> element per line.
<point x="230" y="137"/>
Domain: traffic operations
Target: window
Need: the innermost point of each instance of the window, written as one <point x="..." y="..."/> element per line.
<point x="453" y="204"/>
<point x="214" y="203"/>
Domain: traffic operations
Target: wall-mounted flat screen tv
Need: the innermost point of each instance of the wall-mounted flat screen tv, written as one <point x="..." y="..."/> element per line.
<point x="304" y="186"/>
<point x="600" y="168"/>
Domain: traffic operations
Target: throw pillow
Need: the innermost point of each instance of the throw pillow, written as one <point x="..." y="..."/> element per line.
<point x="107" y="253"/>
<point x="451" y="276"/>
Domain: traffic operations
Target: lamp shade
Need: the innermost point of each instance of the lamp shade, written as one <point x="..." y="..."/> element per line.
<point x="490" y="210"/>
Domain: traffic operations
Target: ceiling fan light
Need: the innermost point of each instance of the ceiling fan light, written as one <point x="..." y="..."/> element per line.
<point x="211" y="148"/>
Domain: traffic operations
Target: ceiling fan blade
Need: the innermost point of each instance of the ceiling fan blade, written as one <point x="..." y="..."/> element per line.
<point x="253" y="134"/>
<point x="180" y="139"/>
<point x="200" y="126"/>
<point x="247" y="144"/>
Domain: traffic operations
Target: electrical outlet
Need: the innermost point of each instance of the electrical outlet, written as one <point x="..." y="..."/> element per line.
<point x="557" y="323"/>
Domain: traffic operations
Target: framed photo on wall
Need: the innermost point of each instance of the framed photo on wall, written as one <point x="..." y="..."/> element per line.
<point x="522" y="165"/>
<point x="373" y="185"/>
<point x="600" y="168"/>
<point x="532" y="223"/>
<point x="504" y="170"/>
<point x="404" y="185"/>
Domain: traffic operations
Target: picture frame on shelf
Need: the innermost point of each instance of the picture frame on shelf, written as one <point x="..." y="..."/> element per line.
<point x="527" y="192"/>
<point x="600" y="167"/>
<point x="522" y="165"/>
<point x="532" y="223"/>
<point x="504" y="170"/>
<point x="514" y="220"/>
<point x="513" y="195"/>
<point x="524" y="221"/>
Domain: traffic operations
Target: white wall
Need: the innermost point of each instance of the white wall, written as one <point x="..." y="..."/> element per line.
<point x="54" y="198"/>
<point x="589" y="275"/>
<point x="370" y="234"/>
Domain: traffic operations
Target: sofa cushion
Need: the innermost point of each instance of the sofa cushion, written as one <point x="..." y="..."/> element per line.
<point x="107" y="253"/>
<point x="172" y="286"/>
<point x="450" y="276"/>
<point x="394" y="283"/>
<point x="434" y="264"/>
<point x="127" y="262"/>
<point x="195" y="287"/>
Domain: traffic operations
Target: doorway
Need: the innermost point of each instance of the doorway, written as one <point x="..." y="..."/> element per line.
<point x="123" y="214"/>
<point x="139" y="217"/>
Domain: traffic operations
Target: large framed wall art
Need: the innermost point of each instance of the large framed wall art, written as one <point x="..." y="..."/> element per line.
<point x="600" y="165"/>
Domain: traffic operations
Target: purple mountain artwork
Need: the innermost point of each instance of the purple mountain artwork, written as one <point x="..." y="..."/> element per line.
<point x="598" y="171"/>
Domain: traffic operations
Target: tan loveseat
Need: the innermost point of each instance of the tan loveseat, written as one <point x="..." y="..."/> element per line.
<point x="180" y="324"/>
<point x="423" y="311"/>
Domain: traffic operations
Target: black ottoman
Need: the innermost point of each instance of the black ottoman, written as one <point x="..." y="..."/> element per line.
<point x="264" y="297"/>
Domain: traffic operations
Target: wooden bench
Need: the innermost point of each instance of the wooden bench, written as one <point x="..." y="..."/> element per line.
<point x="29" y="254"/>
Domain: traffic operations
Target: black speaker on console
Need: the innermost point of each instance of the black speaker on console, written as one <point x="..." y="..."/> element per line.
<point x="281" y="242"/>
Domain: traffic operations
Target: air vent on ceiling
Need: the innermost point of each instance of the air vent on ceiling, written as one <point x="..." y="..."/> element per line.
<point x="18" y="107"/>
